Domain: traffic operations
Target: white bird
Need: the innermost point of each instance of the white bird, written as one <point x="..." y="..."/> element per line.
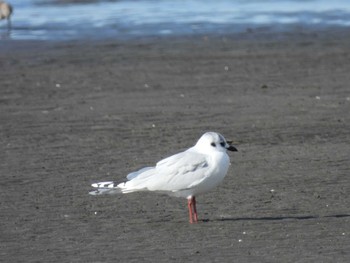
<point x="5" y="12"/>
<point x="186" y="174"/>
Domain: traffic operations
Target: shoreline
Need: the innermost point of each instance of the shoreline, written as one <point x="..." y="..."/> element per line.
<point x="242" y="31"/>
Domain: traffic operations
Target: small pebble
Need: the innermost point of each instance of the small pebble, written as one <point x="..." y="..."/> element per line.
<point x="226" y="68"/>
<point x="239" y="240"/>
<point x="153" y="125"/>
<point x="317" y="98"/>
<point x="58" y="85"/>
<point x="95" y="213"/>
<point x="91" y="108"/>
<point x="146" y="85"/>
<point x="182" y="95"/>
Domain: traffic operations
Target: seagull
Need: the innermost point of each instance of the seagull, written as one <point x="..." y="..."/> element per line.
<point x="186" y="174"/>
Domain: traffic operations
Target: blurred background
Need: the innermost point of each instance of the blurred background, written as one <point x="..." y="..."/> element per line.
<point x="89" y="19"/>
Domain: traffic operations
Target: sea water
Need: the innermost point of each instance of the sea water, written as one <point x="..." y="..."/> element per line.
<point x="47" y="20"/>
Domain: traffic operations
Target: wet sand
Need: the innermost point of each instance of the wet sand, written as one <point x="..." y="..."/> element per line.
<point x="74" y="113"/>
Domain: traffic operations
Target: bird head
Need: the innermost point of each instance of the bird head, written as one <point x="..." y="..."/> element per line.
<point x="213" y="141"/>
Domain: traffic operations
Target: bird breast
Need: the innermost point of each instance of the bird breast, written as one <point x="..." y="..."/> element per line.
<point x="220" y="163"/>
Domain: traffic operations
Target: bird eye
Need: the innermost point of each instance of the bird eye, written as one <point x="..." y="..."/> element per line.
<point x="222" y="144"/>
<point x="213" y="144"/>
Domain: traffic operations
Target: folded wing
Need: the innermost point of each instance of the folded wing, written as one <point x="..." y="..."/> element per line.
<point x="175" y="173"/>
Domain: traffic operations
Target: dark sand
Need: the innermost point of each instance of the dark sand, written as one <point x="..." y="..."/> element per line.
<point x="72" y="114"/>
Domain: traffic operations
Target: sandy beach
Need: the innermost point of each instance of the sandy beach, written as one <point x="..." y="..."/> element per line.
<point x="74" y="113"/>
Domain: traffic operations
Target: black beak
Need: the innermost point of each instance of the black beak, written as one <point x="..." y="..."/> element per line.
<point x="232" y="148"/>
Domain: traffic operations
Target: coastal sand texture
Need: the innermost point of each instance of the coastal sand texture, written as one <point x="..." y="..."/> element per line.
<point x="73" y="114"/>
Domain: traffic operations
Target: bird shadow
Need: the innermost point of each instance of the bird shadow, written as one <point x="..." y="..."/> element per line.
<point x="275" y="218"/>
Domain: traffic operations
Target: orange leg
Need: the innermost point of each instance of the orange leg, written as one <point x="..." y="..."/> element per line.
<point x="192" y="210"/>
<point x="195" y="216"/>
<point x="189" y="205"/>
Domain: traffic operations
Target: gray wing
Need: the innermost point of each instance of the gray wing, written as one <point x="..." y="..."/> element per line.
<point x="179" y="172"/>
<point x="133" y="175"/>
